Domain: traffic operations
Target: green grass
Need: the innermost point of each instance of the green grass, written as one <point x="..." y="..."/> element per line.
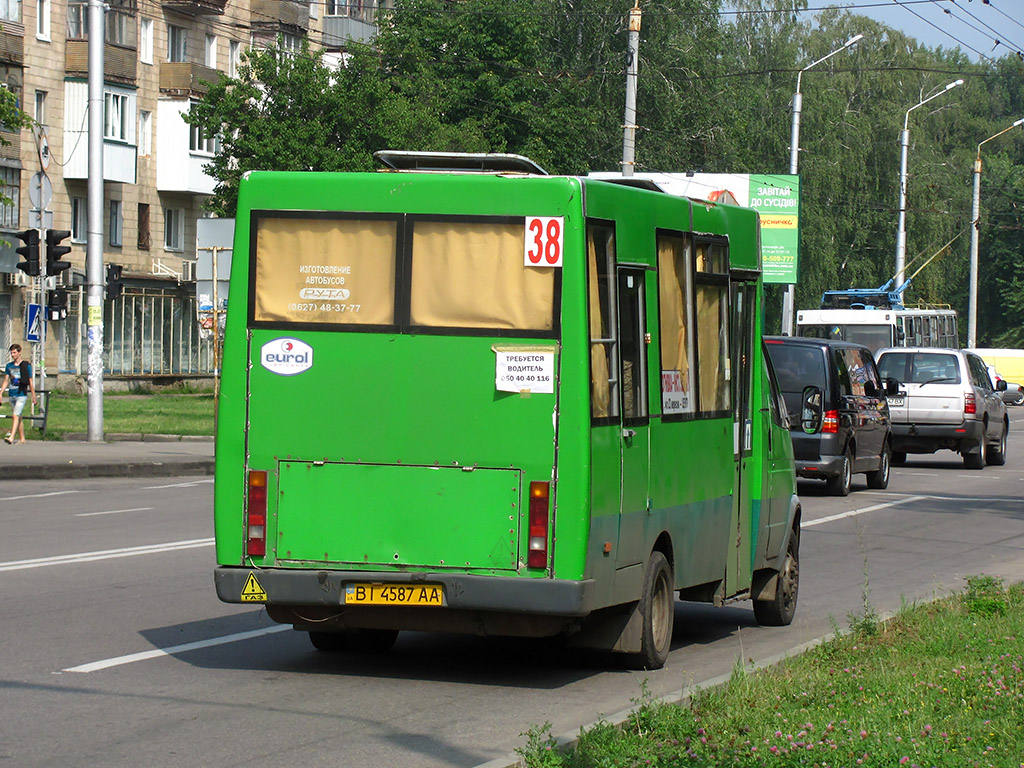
<point x="163" y="414"/>
<point x="940" y="684"/>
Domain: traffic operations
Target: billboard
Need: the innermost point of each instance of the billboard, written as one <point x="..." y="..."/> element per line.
<point x="775" y="196"/>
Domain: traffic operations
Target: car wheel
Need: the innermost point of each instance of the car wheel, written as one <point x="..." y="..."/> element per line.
<point x="978" y="459"/>
<point x="779" y="611"/>
<point x="1017" y="398"/>
<point x="840" y="484"/>
<point x="657" y="612"/>
<point x="899" y="458"/>
<point x="879" y="479"/>
<point x="997" y="456"/>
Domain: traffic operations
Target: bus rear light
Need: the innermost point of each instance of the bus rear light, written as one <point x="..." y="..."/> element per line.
<point x="256" y="515"/>
<point x="970" y="404"/>
<point x="537" y="555"/>
<point x="831" y="422"/>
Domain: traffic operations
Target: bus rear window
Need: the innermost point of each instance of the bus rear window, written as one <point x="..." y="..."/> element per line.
<point x="330" y="271"/>
<point x="470" y="274"/>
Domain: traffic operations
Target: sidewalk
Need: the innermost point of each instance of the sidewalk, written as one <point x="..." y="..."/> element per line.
<point x="120" y="456"/>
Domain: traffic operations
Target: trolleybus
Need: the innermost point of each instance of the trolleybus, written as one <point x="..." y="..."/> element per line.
<point x="497" y="402"/>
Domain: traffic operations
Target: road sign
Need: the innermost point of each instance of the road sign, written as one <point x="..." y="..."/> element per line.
<point x="40" y="190"/>
<point x="34" y="323"/>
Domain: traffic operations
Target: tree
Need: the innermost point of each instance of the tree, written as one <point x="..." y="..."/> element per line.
<point x="12" y="118"/>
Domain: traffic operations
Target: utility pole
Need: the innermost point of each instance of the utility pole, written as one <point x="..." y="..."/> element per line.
<point x="632" y="67"/>
<point x="95" y="288"/>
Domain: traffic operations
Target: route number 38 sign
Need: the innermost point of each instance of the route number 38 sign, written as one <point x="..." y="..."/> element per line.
<point x="543" y="241"/>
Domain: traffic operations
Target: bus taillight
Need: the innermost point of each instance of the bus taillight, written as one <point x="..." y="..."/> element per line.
<point x="831" y="422"/>
<point x="256" y="515"/>
<point x="538" y="546"/>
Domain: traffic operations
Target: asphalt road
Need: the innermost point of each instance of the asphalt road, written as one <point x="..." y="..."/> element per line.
<point x="116" y="651"/>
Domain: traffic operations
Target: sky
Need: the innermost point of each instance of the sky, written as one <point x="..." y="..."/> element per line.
<point x="971" y="25"/>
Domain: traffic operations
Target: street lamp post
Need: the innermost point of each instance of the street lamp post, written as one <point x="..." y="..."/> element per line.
<point x="901" y="230"/>
<point x="972" y="310"/>
<point x="794" y="152"/>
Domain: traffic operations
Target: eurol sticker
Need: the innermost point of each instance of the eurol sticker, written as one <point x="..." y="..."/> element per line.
<point x="286" y="357"/>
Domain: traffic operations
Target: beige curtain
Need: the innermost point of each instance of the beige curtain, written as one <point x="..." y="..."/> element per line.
<point x="672" y="294"/>
<point x="599" y="388"/>
<point x="709" y="345"/>
<point x="471" y="275"/>
<point x="325" y="271"/>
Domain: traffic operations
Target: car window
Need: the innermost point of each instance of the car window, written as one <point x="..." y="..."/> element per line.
<point x="797" y="366"/>
<point x="893" y="365"/>
<point x="979" y="376"/>
<point x="858" y="373"/>
<point x="870" y="371"/>
<point x="842" y="372"/>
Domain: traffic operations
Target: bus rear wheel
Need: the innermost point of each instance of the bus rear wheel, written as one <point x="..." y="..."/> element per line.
<point x="779" y="611"/>
<point x="657" y="611"/>
<point x="354" y="640"/>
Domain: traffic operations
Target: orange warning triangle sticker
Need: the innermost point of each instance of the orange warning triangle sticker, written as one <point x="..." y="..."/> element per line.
<point x="252" y="592"/>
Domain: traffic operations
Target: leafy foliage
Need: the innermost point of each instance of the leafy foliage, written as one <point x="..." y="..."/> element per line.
<point x="545" y="78"/>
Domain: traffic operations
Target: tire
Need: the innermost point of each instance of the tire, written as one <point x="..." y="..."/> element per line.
<point x="879" y="479"/>
<point x="354" y="640"/>
<point x="840" y="484"/>
<point x="657" y="612"/>
<point x="1017" y="399"/>
<point x="779" y="611"/>
<point x="898" y="459"/>
<point x="979" y="459"/>
<point x="997" y="456"/>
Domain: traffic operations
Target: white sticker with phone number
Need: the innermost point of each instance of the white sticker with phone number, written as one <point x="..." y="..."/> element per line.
<point x="543" y="241"/>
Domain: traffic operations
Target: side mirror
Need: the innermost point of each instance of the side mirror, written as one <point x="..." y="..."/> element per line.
<point x="1001" y="385"/>
<point x="810" y="410"/>
<point x="892" y="387"/>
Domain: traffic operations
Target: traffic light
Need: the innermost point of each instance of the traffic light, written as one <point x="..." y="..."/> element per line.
<point x="57" y="305"/>
<point x="114" y="284"/>
<point x="54" y="250"/>
<point x="30" y="252"/>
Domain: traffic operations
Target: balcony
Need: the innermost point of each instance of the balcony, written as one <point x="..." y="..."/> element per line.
<point x="12" y="44"/>
<point x="183" y="78"/>
<point x="120" y="50"/>
<point x="119" y="155"/>
<point x="196" y="7"/>
<point x="284" y="15"/>
<point x="178" y="167"/>
<point x="339" y="31"/>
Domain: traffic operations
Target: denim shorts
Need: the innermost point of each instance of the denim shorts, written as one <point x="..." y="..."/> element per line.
<point x="18" y="404"/>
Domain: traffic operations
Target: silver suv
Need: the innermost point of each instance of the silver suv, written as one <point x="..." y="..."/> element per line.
<point x="945" y="400"/>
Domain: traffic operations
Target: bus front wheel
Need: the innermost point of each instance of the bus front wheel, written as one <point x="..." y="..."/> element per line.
<point x="657" y="611"/>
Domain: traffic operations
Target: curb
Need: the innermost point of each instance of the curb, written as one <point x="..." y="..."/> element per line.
<point x="107" y="469"/>
<point x="129" y="437"/>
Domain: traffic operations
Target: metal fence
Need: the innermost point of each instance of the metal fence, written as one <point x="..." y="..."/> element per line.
<point x="147" y="332"/>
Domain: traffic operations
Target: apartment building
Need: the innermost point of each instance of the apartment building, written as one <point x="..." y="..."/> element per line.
<point x="157" y="56"/>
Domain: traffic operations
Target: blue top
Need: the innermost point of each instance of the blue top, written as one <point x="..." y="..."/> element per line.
<point x="18" y="388"/>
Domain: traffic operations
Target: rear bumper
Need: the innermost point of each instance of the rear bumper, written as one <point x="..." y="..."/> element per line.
<point x="556" y="597"/>
<point x="928" y="438"/>
<point x="821" y="468"/>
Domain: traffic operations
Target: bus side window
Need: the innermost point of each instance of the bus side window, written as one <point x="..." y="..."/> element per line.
<point x="604" y="395"/>
<point x="676" y="323"/>
<point x="712" y="327"/>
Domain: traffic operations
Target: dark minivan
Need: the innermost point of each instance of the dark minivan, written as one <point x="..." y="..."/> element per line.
<point x="838" y="415"/>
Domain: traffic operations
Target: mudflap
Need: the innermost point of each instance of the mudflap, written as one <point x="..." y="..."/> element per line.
<point x="618" y="629"/>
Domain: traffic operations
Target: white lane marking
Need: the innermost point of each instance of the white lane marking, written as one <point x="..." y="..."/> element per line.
<point x="114" y="511"/>
<point x="920" y="474"/>
<point x="854" y="512"/>
<point x="105" y="554"/>
<point x="42" y="495"/>
<point x="190" y="484"/>
<point x="155" y="654"/>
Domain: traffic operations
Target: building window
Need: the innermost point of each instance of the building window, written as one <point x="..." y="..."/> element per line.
<point x="116" y="218"/>
<point x="199" y="142"/>
<point x="115" y="116"/>
<point x="10" y="187"/>
<point x="77" y="21"/>
<point x="41" y="107"/>
<point x="291" y="45"/>
<point x="79" y="219"/>
<point x="177" y="43"/>
<point x="144" y="236"/>
<point x="145" y="133"/>
<point x="174" y="229"/>
<point x="43" y="20"/>
<point x="234" y="57"/>
<point x="211" y="51"/>
<point x="146" y="42"/>
<point x="10" y="10"/>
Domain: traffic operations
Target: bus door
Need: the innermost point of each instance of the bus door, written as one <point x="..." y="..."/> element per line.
<point x="635" y="440"/>
<point x="742" y="307"/>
